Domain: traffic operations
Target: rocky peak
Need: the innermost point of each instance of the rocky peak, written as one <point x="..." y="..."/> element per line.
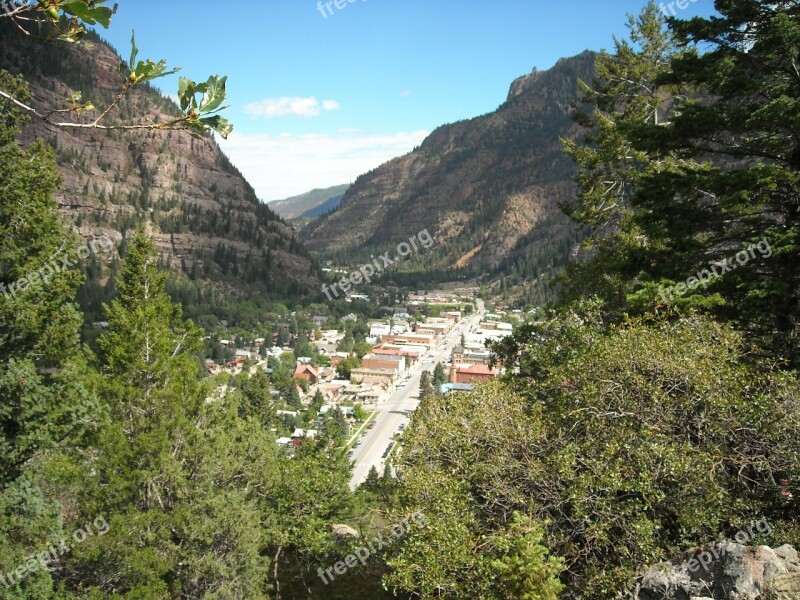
<point x="521" y="84"/>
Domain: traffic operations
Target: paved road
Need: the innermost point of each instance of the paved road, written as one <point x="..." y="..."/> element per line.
<point x="396" y="410"/>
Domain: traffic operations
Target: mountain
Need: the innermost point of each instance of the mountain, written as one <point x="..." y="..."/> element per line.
<point x="486" y="188"/>
<point x="205" y="217"/>
<point x="310" y="205"/>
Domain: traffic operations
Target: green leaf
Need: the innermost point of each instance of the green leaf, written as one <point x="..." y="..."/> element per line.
<point x="134" y="51"/>
<point x="215" y="94"/>
<point x="219" y="124"/>
<point x="89" y="14"/>
<point x="186" y="90"/>
<point x="148" y="70"/>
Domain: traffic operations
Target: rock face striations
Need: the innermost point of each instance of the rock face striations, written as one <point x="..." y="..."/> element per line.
<point x="488" y="188"/>
<point x="205" y="217"/>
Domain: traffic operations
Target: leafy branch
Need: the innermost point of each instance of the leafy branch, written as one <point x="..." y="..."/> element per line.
<point x="66" y="20"/>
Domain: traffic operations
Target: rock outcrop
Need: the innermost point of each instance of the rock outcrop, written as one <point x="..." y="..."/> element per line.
<point x="205" y="217"/>
<point x="725" y="571"/>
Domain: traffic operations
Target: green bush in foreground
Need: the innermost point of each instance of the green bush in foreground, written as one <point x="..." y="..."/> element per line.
<point x="627" y="446"/>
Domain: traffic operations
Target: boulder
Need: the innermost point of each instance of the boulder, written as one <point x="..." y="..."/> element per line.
<point x="724" y="570"/>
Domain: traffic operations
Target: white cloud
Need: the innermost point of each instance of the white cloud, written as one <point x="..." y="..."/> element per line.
<point x="282" y="107"/>
<point x="287" y="165"/>
<point x="405" y="93"/>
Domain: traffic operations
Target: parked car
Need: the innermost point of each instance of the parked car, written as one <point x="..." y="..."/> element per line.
<point x="371" y="425"/>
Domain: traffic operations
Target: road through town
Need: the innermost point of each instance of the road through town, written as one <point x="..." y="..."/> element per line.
<point x="397" y="409"/>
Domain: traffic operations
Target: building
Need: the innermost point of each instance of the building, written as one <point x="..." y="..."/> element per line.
<point x="384" y="361"/>
<point x="449" y="388"/>
<point x="383" y="377"/>
<point x="307" y="372"/>
<point x="299" y="434"/>
<point x="427" y="340"/>
<point x="472" y="374"/>
<point x="410" y="352"/>
<point x="379" y="329"/>
<point x="470" y="356"/>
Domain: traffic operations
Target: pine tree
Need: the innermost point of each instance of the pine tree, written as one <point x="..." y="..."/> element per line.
<point x="166" y="456"/>
<point x="439" y="378"/>
<point x="43" y="404"/>
<point x="426" y="389"/>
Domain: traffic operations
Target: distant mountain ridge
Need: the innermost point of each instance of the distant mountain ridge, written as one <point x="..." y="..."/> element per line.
<point x="311" y="204"/>
<point x="487" y="188"/>
<point x="205" y="217"/>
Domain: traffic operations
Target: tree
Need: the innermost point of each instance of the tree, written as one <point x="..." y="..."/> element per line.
<point x="738" y="177"/>
<point x="257" y="400"/>
<point x="359" y="413"/>
<point x="694" y="166"/>
<point x="46" y="409"/>
<point x="625" y="93"/>
<point x="346" y="365"/>
<point x="335" y="426"/>
<point x="372" y="481"/>
<point x="165" y="455"/>
<point x="361" y="349"/>
<point x="426" y="389"/>
<point x="439" y="377"/>
<point x="621" y="447"/>
<point x="66" y="21"/>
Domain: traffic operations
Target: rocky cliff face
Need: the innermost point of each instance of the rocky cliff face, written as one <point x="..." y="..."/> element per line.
<point x="205" y="217"/>
<point x="725" y="570"/>
<point x="488" y="188"/>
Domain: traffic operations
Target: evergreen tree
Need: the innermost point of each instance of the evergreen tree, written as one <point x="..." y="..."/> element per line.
<point x="165" y="456"/>
<point x="426" y="389"/>
<point x="257" y="400"/>
<point x="439" y="378"/>
<point x="44" y="403"/>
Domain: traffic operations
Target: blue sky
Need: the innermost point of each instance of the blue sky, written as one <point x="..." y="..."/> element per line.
<point x="317" y="100"/>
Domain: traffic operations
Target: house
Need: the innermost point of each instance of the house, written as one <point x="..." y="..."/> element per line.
<point x="338" y="357"/>
<point x="472" y="374"/>
<point x="299" y="434"/>
<point x="352" y="297"/>
<point x="213" y="368"/>
<point x="319" y="320"/>
<point x="401" y="312"/>
<point x="284" y="441"/>
<point x="306" y="372"/>
<point x="351" y="317"/>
